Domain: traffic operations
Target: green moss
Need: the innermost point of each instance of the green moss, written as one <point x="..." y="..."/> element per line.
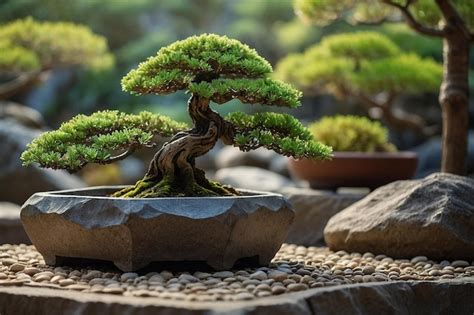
<point x="352" y="133"/>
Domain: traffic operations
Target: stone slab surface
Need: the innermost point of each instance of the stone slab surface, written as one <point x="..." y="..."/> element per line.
<point x="11" y="229"/>
<point x="444" y="297"/>
<point x="313" y="209"/>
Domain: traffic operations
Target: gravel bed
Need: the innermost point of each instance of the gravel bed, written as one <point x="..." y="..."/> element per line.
<point x="294" y="268"/>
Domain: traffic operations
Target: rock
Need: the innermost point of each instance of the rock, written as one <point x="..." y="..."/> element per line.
<point x="429" y="156"/>
<point x="430" y="217"/>
<point x="23" y="115"/>
<point x="297" y="287"/>
<point x="313" y="209"/>
<point x="25" y="181"/>
<point x="215" y="230"/>
<point x="230" y="156"/>
<point x="17" y="267"/>
<point x="11" y="229"/>
<point x="223" y="274"/>
<point x="277" y="275"/>
<point x="243" y="296"/>
<point x="259" y="275"/>
<point x="279" y="164"/>
<point x="253" y="178"/>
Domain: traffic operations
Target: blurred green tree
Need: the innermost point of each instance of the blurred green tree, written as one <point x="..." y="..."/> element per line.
<point x="30" y="49"/>
<point x="451" y="20"/>
<point x="366" y="66"/>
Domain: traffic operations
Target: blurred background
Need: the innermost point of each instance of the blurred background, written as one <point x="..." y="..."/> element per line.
<point x="137" y="29"/>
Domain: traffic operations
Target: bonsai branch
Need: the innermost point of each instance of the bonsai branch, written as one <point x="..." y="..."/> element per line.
<point x="412" y="22"/>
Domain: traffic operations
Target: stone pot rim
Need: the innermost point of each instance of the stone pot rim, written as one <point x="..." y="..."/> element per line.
<point x="73" y="193"/>
<point x="373" y="155"/>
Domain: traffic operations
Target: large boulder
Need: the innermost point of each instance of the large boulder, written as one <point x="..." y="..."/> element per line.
<point x="433" y="217"/>
<point x="18" y="183"/>
<point x="254" y="178"/>
<point x="313" y="209"/>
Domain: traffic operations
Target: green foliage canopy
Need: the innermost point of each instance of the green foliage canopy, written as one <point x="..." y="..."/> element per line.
<point x="29" y="45"/>
<point x="214" y="67"/>
<point x="363" y="62"/>
<point x="98" y="138"/>
<point x="281" y="133"/>
<point x="322" y="12"/>
<point x="352" y="134"/>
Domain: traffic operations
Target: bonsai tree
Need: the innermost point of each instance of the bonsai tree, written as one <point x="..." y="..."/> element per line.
<point x="369" y="67"/>
<point x="450" y="20"/>
<point x="212" y="69"/>
<point x="352" y="134"/>
<point x="30" y="49"/>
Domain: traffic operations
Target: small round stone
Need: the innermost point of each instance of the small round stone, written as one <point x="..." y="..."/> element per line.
<point x="16" y="267"/>
<point x="368" y="270"/>
<point x="259" y="275"/>
<point x="223" y="274"/>
<point x="297" y="287"/>
<point x="459" y="263"/>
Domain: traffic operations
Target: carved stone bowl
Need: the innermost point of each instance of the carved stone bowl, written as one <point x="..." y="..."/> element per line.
<point x="133" y="232"/>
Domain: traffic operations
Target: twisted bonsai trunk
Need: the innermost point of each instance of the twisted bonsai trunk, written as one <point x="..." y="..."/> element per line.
<point x="172" y="171"/>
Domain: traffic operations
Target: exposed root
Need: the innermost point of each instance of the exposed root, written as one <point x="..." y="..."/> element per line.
<point x="200" y="187"/>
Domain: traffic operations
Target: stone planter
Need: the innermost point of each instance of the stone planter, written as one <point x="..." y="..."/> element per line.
<point x="355" y="169"/>
<point x="132" y="233"/>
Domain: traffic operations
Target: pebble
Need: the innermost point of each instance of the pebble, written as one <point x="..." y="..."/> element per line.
<point x="297" y="287"/>
<point x="368" y="270"/>
<point x="128" y="276"/>
<point x="295" y="268"/>
<point x="66" y="282"/>
<point x="259" y="275"/>
<point x="16" y="267"/>
<point x="31" y="271"/>
<point x="459" y="263"/>
<point x="223" y="274"/>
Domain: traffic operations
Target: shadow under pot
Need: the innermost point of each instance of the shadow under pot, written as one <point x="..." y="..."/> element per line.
<point x="355" y="169"/>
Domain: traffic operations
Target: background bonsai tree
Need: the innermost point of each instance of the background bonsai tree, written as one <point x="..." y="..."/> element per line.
<point x="369" y="67"/>
<point x="29" y="49"/>
<point x="352" y="134"/>
<point x="450" y="20"/>
<point x="210" y="68"/>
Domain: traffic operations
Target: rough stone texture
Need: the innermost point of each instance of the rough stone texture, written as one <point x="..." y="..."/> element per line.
<point x="313" y="209"/>
<point x="18" y="183"/>
<point x="444" y="297"/>
<point x="249" y="177"/>
<point x="134" y="232"/>
<point x="433" y="217"/>
<point x="11" y="229"/>
<point x="343" y="283"/>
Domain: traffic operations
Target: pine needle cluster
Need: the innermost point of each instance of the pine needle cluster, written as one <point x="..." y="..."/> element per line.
<point x="98" y="138"/>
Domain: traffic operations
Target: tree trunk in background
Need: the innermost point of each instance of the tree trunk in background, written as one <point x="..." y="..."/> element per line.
<point x="454" y="100"/>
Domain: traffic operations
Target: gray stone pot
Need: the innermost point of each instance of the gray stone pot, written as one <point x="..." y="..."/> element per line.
<point x="132" y="233"/>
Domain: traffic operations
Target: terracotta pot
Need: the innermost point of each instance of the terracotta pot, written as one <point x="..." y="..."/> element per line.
<point x="133" y="232"/>
<point x="355" y="169"/>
